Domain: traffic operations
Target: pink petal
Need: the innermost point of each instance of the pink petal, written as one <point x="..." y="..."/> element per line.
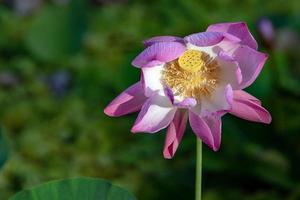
<point x="238" y="29"/>
<point x="129" y="101"/>
<point x="156" y="39"/>
<point x="208" y="129"/>
<point x="159" y="53"/>
<point x="247" y="107"/>
<point x="241" y="94"/>
<point x="250" y="62"/>
<point x="156" y="114"/>
<point x="204" y="38"/>
<point x="175" y="133"/>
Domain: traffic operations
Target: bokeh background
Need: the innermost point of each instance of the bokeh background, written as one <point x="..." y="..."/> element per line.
<point x="62" y="61"/>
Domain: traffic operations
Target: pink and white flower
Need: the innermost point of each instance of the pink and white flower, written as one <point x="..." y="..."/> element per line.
<point x="198" y="78"/>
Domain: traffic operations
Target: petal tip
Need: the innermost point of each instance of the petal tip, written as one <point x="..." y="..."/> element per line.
<point x="169" y="151"/>
<point x="134" y="63"/>
<point x="243" y="24"/>
<point x="268" y="119"/>
<point x="216" y="148"/>
<point x="141" y="129"/>
<point x="108" y="112"/>
<point x="134" y="130"/>
<point x="167" y="155"/>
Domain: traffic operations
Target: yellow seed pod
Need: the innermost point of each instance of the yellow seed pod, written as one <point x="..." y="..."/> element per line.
<point x="191" y="60"/>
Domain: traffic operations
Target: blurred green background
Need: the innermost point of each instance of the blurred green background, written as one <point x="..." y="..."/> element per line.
<point x="62" y="61"/>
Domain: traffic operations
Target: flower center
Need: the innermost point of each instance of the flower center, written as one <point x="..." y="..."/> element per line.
<point x="191" y="61"/>
<point x="194" y="74"/>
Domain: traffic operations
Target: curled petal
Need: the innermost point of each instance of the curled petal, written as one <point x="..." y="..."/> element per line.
<point x="208" y="129"/>
<point x="169" y="93"/>
<point x="167" y="38"/>
<point x="156" y="114"/>
<point x="248" y="108"/>
<point x="238" y="29"/>
<point x="212" y="43"/>
<point x="131" y="100"/>
<point x="159" y="53"/>
<point x="186" y="103"/>
<point x="204" y="38"/>
<point x="250" y="62"/>
<point x="174" y="133"/>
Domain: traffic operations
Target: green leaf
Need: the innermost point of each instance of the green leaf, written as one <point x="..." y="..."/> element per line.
<point x="75" y="189"/>
<point x="3" y="149"/>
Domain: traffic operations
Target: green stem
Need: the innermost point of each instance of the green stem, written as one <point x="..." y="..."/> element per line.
<point x="198" y="170"/>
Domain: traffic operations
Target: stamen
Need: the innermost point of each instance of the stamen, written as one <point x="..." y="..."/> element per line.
<point x="195" y="74"/>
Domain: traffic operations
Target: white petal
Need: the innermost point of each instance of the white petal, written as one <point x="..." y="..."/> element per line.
<point x="210" y="50"/>
<point x="230" y="73"/>
<point x="152" y="80"/>
<point x="219" y="100"/>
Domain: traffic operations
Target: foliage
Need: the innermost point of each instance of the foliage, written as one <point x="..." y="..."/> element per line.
<point x="75" y="189"/>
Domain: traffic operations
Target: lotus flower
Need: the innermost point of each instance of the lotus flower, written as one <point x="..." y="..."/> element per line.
<point x="198" y="78"/>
